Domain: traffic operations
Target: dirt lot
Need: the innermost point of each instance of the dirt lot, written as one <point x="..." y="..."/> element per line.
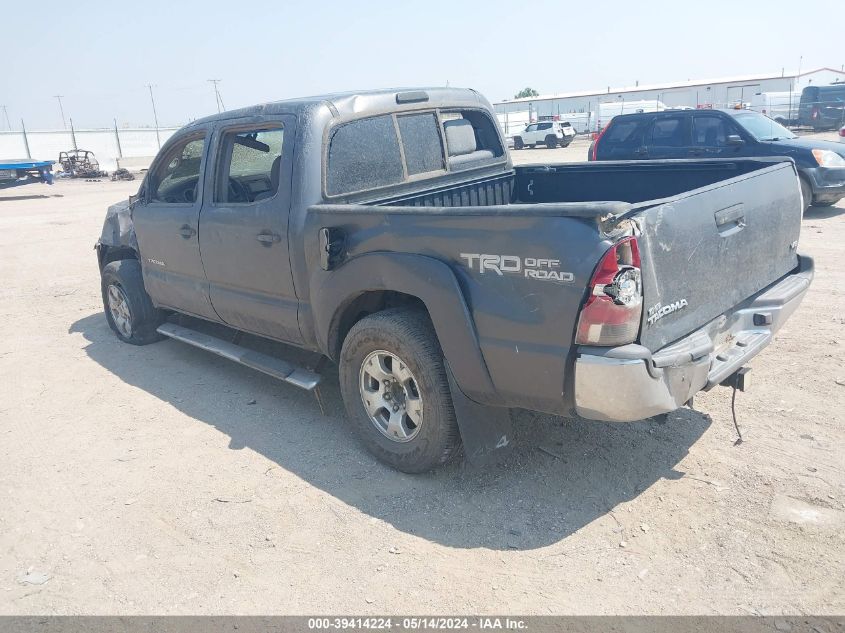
<point x="163" y="480"/>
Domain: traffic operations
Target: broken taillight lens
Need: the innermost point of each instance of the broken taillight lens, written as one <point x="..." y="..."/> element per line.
<point x="612" y="313"/>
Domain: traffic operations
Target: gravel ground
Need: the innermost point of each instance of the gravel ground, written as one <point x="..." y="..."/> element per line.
<point x="162" y="480"/>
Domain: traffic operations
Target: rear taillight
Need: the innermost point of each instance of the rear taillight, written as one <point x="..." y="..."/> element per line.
<point x="842" y="132"/>
<point x="614" y="307"/>
<point x="596" y="144"/>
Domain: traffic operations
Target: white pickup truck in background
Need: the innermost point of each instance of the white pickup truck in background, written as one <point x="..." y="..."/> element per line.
<point x="548" y="133"/>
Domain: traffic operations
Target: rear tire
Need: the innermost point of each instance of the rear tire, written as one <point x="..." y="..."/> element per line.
<point x="394" y="385"/>
<point x="827" y="203"/>
<point x="551" y="142"/>
<point x="129" y="310"/>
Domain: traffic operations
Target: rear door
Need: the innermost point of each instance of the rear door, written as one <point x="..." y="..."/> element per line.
<point x="706" y="251"/>
<point x="166" y="221"/>
<point x="244" y="226"/>
<point x="669" y="136"/>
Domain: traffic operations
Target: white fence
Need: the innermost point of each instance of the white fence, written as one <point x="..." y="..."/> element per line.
<point x="108" y="145"/>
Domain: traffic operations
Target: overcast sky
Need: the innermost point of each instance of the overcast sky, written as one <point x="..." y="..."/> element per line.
<point x="100" y="55"/>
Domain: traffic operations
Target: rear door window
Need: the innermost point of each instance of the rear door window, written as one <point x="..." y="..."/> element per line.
<point x="249" y="164"/>
<point x="364" y="154"/>
<point x="421" y="142"/>
<point x="669" y="132"/>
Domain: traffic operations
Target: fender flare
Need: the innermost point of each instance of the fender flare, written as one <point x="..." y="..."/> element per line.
<point x="428" y="279"/>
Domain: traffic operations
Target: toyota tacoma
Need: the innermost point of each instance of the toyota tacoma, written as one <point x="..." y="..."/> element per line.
<point x="389" y="232"/>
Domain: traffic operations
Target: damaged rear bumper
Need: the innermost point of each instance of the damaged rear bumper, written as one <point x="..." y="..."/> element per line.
<point x="627" y="383"/>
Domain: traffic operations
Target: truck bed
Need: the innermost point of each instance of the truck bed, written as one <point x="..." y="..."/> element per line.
<point x="711" y="234"/>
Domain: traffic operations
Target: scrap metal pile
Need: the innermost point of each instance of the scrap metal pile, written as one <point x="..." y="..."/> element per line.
<point x="80" y="163"/>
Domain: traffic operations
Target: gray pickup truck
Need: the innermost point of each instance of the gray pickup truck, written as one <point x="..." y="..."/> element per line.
<point x="389" y="232"/>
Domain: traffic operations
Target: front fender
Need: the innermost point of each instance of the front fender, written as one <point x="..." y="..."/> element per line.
<point x="428" y="279"/>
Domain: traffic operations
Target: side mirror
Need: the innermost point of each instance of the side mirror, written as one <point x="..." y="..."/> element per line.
<point x="734" y="139"/>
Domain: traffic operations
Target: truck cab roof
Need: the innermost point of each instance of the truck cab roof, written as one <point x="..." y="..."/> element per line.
<point x="359" y="103"/>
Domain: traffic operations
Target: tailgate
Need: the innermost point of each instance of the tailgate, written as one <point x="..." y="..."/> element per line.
<point x="705" y="251"/>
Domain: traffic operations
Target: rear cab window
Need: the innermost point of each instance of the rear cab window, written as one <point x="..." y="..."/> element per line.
<point x="390" y="149"/>
<point x="364" y="154"/>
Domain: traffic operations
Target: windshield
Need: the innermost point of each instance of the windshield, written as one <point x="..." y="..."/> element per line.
<point x="762" y="127"/>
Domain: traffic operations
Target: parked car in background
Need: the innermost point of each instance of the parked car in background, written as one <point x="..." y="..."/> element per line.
<point x="725" y="134"/>
<point x="780" y="106"/>
<point x="548" y="133"/>
<point x="822" y="107"/>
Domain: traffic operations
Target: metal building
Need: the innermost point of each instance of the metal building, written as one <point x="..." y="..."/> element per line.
<point x="589" y="110"/>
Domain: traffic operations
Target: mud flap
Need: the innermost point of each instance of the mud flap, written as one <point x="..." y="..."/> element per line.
<point x="486" y="431"/>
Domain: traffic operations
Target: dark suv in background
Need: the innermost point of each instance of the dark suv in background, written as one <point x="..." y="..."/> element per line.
<point x="822" y="107"/>
<point x="724" y="134"/>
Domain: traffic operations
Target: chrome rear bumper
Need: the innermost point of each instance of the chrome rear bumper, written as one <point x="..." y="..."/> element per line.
<point x="627" y="383"/>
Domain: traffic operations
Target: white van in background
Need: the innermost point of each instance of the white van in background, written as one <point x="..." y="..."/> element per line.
<point x="780" y="106"/>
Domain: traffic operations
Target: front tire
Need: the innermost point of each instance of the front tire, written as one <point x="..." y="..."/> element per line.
<point x="129" y="310"/>
<point x="394" y="384"/>
<point x="517" y="143"/>
<point x="806" y="193"/>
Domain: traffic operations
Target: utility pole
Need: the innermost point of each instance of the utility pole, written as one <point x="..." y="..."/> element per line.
<point x="6" y="113"/>
<point x="62" y="110"/>
<point x="155" y="116"/>
<point x="217" y="97"/>
<point x="25" y="140"/>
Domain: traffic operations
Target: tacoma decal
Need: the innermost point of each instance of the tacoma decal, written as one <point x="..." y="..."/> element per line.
<point x="658" y="311"/>
<point x="529" y="267"/>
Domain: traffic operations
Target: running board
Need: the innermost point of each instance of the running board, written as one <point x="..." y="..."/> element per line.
<point x="269" y="365"/>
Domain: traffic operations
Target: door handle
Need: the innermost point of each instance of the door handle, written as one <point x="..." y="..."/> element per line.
<point x="186" y="231"/>
<point x="730" y="220"/>
<point x="267" y="238"/>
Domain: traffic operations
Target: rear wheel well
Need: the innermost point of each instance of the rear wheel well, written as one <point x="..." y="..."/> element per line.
<point x="363" y="305"/>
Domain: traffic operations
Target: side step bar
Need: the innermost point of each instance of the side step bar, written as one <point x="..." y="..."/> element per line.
<point x="269" y="365"/>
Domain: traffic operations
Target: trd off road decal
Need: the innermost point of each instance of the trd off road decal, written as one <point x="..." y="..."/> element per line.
<point x="529" y="267"/>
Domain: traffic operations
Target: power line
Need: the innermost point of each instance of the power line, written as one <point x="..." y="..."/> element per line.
<point x="62" y="110"/>
<point x="6" y="112"/>
<point x="155" y="115"/>
<point x="217" y="96"/>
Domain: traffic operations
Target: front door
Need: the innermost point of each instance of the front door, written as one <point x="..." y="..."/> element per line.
<point x="710" y="134"/>
<point x="244" y="227"/>
<point x="166" y="221"/>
